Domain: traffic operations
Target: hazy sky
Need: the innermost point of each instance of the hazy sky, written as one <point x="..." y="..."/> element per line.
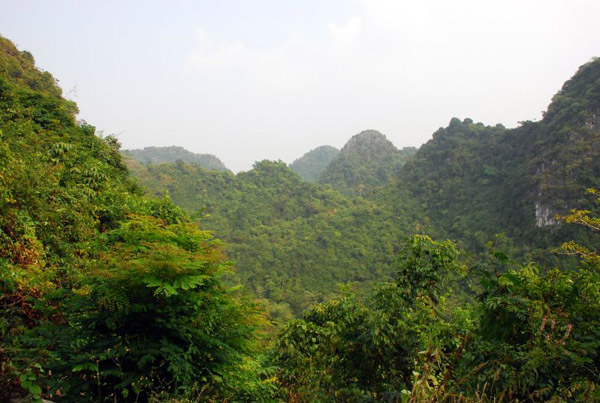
<point x="249" y="80"/>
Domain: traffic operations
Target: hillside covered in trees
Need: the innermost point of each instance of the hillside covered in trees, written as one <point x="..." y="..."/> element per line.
<point x="289" y="238"/>
<point x="367" y="161"/>
<point x="474" y="179"/>
<point x="312" y="164"/>
<point x="105" y="295"/>
<point x="174" y="281"/>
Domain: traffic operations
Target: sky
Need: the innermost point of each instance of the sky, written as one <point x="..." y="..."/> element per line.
<point x="273" y="79"/>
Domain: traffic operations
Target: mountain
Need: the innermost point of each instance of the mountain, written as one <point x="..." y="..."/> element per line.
<point x="160" y="155"/>
<point x="367" y="161"/>
<point x="312" y="164"/>
<point x="475" y="180"/>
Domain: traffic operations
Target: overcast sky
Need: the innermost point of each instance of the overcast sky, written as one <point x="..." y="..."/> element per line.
<point x="249" y="80"/>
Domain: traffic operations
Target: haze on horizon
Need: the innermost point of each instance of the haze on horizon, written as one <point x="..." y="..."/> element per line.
<point x="247" y="81"/>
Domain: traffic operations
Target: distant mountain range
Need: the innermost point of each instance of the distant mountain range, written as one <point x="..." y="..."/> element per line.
<point x="161" y="155"/>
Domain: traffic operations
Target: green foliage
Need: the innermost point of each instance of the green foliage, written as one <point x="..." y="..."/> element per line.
<point x="582" y="217"/>
<point x="149" y="312"/>
<point x="28" y="382"/>
<point x="291" y="241"/>
<point x="464" y="180"/>
<point x="348" y="349"/>
<point x="578" y="100"/>
<point x="537" y="335"/>
<point x="320" y="355"/>
<point x="422" y="265"/>
<point x="59" y="187"/>
<point x="529" y="335"/>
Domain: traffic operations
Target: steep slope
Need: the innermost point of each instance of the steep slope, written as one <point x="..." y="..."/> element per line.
<point x="368" y="160"/>
<point x="312" y="164"/>
<point x="54" y="170"/>
<point x="100" y="288"/>
<point x="160" y="155"/>
<point x="563" y="149"/>
<point x="475" y="180"/>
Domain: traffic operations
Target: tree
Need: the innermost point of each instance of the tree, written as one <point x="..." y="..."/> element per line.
<point x="539" y="330"/>
<point x="348" y="349"/>
<point x="151" y="314"/>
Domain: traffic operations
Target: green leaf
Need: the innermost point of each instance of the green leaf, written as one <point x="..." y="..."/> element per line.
<point x="34" y="389"/>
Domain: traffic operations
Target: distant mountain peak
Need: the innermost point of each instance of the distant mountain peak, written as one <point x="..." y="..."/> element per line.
<point x="162" y="155"/>
<point x="368" y="134"/>
<point x="368" y="160"/>
<point x="369" y="144"/>
<point x="312" y="164"/>
<point x="578" y="101"/>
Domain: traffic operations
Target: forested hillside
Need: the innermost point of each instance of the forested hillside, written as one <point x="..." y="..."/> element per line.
<point x="475" y="180"/>
<point x="111" y="291"/>
<point x="160" y="155"/>
<point x="104" y="295"/>
<point x="367" y="161"/>
<point x="312" y="164"/>
<point x="292" y="241"/>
